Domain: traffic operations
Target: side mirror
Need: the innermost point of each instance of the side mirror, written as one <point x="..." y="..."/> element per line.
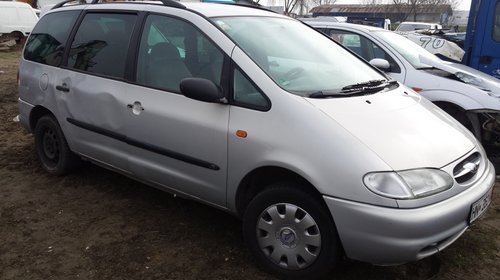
<point x="200" y="89"/>
<point x="381" y="64"/>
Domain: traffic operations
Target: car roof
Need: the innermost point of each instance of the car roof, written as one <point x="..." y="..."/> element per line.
<point x="206" y="9"/>
<point x="14" y="4"/>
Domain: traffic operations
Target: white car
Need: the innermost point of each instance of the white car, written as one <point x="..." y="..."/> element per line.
<point x="16" y="19"/>
<point x="471" y="96"/>
<point x="412" y="26"/>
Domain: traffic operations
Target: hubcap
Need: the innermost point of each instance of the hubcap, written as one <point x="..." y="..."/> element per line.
<point x="50" y="145"/>
<point x="288" y="236"/>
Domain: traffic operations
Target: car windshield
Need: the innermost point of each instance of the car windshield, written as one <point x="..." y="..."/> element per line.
<point x="299" y="59"/>
<point x="408" y="49"/>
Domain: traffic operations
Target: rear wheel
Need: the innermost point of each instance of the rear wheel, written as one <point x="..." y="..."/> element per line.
<point x="52" y="148"/>
<point x="290" y="233"/>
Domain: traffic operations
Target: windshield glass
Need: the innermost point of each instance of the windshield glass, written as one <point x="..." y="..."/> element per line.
<point x="408" y="49"/>
<point x="297" y="58"/>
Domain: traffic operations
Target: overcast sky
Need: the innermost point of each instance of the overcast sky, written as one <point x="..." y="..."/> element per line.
<point x="465" y="5"/>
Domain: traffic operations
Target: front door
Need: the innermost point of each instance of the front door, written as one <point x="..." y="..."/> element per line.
<point x="177" y="142"/>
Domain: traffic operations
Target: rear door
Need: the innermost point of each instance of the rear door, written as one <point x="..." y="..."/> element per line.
<point x="92" y="89"/>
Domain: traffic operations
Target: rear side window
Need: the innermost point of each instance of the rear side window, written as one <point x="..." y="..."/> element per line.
<point x="101" y="44"/>
<point x="47" y="41"/>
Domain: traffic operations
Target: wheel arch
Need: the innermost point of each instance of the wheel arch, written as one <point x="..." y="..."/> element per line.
<point x="469" y="119"/>
<point x="36" y="113"/>
<point x="18" y="34"/>
<point x="445" y="105"/>
<point x="262" y="177"/>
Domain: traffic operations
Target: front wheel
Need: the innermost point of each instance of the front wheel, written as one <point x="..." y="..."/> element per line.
<point x="52" y="148"/>
<point x="290" y="233"/>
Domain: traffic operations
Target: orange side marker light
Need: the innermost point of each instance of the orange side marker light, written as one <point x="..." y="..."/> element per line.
<point x="241" y="133"/>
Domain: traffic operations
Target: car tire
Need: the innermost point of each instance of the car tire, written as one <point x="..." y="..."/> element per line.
<point x="52" y="148"/>
<point x="290" y="233"/>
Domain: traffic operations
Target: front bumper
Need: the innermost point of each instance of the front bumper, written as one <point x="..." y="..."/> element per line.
<point x="389" y="236"/>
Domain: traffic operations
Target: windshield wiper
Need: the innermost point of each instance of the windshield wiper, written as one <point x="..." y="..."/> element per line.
<point x="427" y="68"/>
<point x="365" y="85"/>
<point x="356" y="89"/>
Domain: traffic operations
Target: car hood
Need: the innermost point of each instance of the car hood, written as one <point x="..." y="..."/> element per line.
<point x="468" y="75"/>
<point x="403" y="129"/>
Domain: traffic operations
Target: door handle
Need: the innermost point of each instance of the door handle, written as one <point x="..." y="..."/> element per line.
<point x="63" y="88"/>
<point x="136" y="107"/>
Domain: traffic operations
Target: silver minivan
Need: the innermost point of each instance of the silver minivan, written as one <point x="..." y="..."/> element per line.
<point x="320" y="154"/>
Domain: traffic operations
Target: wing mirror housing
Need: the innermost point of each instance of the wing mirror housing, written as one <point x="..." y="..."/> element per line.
<point x="381" y="64"/>
<point x="201" y="90"/>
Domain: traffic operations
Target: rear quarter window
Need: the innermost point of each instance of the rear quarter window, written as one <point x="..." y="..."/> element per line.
<point x="47" y="40"/>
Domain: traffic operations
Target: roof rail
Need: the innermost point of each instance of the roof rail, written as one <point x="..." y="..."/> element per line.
<point x="60" y="4"/>
<point x="168" y="3"/>
<point x="250" y="4"/>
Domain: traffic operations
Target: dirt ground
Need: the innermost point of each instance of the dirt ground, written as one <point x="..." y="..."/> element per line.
<point x="95" y="224"/>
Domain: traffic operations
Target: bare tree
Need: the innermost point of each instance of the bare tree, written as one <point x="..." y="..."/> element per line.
<point x="290" y="6"/>
<point x="455" y="4"/>
<point x="413" y="4"/>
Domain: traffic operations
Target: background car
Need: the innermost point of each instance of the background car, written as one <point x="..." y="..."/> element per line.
<point x="471" y="96"/>
<point x="455" y="37"/>
<point x="16" y="20"/>
<point x="412" y="26"/>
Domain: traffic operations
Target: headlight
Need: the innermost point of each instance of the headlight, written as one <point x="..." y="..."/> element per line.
<point x="408" y="184"/>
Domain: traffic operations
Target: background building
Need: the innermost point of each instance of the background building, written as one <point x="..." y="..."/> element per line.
<point x="396" y="13"/>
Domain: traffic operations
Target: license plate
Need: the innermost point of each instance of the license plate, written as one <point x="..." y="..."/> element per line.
<point x="479" y="207"/>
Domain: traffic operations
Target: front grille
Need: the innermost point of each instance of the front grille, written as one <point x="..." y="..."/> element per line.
<point x="467" y="169"/>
